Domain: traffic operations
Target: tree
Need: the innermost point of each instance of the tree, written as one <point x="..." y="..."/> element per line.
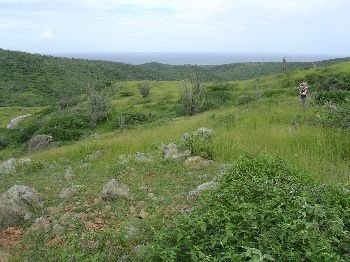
<point x="98" y="104"/>
<point x="144" y="89"/>
<point x="192" y="95"/>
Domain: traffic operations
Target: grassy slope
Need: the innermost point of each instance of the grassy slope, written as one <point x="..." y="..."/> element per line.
<point x="272" y="124"/>
<point x="36" y="80"/>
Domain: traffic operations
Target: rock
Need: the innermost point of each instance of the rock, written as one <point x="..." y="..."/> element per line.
<point x="9" y="166"/>
<point x="39" y="142"/>
<point x="47" y="224"/>
<point x="143" y="214"/>
<point x="198" y="162"/>
<point x="14" y="122"/>
<point x="203" y="187"/>
<point x="17" y="203"/>
<point x="170" y="151"/>
<point x="85" y="166"/>
<point x="221" y="172"/>
<point x="24" y="161"/>
<point x="141" y="157"/>
<point x="67" y="193"/>
<point x="53" y="210"/>
<point x="113" y="190"/>
<point x="95" y="136"/>
<point x="152" y="196"/>
<point x="96" y="155"/>
<point x="68" y="173"/>
<point x="123" y="159"/>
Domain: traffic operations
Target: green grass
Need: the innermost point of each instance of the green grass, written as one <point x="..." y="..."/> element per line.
<point x="274" y="124"/>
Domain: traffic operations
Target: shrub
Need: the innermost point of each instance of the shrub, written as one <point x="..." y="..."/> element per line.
<point x="192" y="96"/>
<point x="262" y="211"/>
<point x="68" y="102"/>
<point x="3" y="142"/>
<point x="126" y="93"/>
<point x="144" y="89"/>
<point x="244" y="99"/>
<point x="134" y="118"/>
<point x="337" y="115"/>
<point x="200" y="142"/>
<point x="217" y="95"/>
<point x="64" y="127"/>
<point x="322" y="97"/>
<point x="98" y="104"/>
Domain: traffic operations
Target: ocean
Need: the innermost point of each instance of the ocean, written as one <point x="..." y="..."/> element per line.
<point x="196" y="58"/>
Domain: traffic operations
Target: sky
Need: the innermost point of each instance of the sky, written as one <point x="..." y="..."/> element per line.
<point x="248" y="26"/>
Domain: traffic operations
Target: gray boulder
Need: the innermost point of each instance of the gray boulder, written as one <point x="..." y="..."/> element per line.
<point x="113" y="190"/>
<point x="170" y="151"/>
<point x="17" y="203"/>
<point x="203" y="187"/>
<point x="39" y="142"/>
<point x="9" y="166"/>
<point x="14" y="122"/>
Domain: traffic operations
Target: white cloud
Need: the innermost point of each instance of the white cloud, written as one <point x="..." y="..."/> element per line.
<point x="46" y="34"/>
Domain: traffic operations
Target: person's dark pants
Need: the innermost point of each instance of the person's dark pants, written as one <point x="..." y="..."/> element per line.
<point x="303" y="99"/>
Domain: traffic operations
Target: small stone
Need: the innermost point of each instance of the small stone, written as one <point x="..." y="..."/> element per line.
<point x="98" y="154"/>
<point x="143" y="214"/>
<point x="68" y="173"/>
<point x="203" y="187"/>
<point x="67" y="193"/>
<point x="57" y="229"/>
<point x="141" y="157"/>
<point x="198" y="162"/>
<point x="113" y="190"/>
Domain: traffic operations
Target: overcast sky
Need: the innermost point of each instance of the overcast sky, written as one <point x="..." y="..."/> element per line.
<point x="258" y="26"/>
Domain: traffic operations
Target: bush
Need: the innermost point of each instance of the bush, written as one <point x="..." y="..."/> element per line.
<point x="244" y="99"/>
<point x="217" y="95"/>
<point x="65" y="127"/>
<point x="126" y="93"/>
<point x="323" y="97"/>
<point x="144" y="89"/>
<point x="98" y="104"/>
<point x="3" y="142"/>
<point x="134" y="118"/>
<point x="68" y="102"/>
<point x="337" y="115"/>
<point x="262" y="211"/>
<point x="200" y="142"/>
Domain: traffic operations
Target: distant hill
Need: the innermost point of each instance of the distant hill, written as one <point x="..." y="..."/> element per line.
<point x="38" y="80"/>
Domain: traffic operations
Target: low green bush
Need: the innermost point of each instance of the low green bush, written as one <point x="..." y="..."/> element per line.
<point x="322" y="97"/>
<point x="262" y="211"/>
<point x="244" y="99"/>
<point x="200" y="142"/>
<point x="135" y="118"/>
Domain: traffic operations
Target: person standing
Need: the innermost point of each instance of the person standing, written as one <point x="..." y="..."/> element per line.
<point x="303" y="88"/>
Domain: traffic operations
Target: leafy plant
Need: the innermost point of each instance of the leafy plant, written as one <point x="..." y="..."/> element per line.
<point x="262" y="211"/>
<point x="200" y="142"/>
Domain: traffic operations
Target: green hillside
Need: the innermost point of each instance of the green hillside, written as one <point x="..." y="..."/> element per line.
<point x="38" y="80"/>
<point x="277" y="173"/>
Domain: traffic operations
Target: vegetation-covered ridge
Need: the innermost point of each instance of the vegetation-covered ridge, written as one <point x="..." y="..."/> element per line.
<point x="37" y="80"/>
